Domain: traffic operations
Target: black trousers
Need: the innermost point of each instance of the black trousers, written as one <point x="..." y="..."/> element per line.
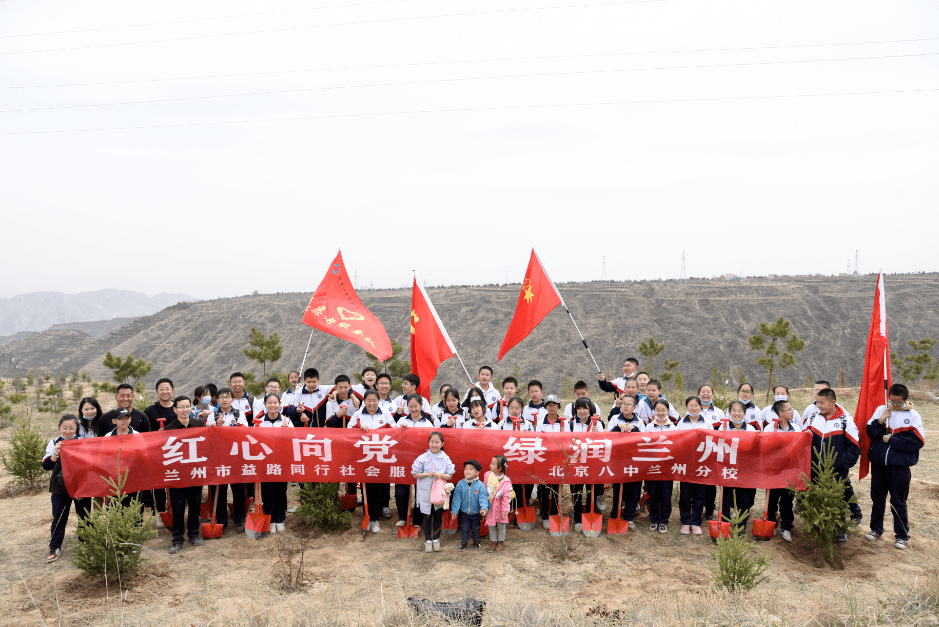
<point x="274" y="499"/>
<point x="154" y="499"/>
<point x="548" y="500"/>
<point x="183" y="524"/>
<point x="745" y="498"/>
<point x="61" y="505"/>
<point x="848" y="493"/>
<point x="469" y="523"/>
<point x="781" y="499"/>
<point x="631" y="493"/>
<point x="710" y="498"/>
<point x="377" y="495"/>
<point x="660" y="501"/>
<point x="691" y="498"/>
<point x="402" y="498"/>
<point x="895" y="481"/>
<point x="580" y="494"/>
<point x="433" y="523"/>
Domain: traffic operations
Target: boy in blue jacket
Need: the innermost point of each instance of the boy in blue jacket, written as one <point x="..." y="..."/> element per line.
<point x="896" y="432"/>
<point x="470" y="501"/>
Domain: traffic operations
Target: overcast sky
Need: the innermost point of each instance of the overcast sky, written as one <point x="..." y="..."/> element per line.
<point x="217" y="148"/>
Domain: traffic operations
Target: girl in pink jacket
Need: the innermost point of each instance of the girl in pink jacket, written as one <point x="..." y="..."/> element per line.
<point x="499" y="487"/>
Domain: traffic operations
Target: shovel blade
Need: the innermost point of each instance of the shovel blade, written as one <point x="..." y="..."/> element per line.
<point x="348" y="502"/>
<point x="483" y="528"/>
<point x="408" y="531"/>
<point x="205" y="510"/>
<point x="526" y="517"/>
<point x="616" y="526"/>
<point x="211" y="531"/>
<point x="719" y="529"/>
<point x="450" y="525"/>
<point x="591" y="524"/>
<point x="257" y="525"/>
<point x="764" y="528"/>
<point x="167" y="518"/>
<point x="365" y="523"/>
<point x="559" y="525"/>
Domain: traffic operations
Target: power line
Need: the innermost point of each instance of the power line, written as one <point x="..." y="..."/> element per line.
<point x="472" y="109"/>
<point x="203" y="19"/>
<point x="454" y="80"/>
<point x="357" y="23"/>
<point x="497" y="60"/>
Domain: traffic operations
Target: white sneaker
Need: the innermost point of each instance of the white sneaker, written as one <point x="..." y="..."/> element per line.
<point x="401" y="523"/>
<point x="787" y="535"/>
<point x="436" y="546"/>
<point x="546" y="524"/>
<point x="273" y="527"/>
<point x="386" y="512"/>
<point x="282" y="527"/>
<point x="159" y="523"/>
<point x="428" y="546"/>
<point x="578" y="527"/>
<point x="601" y="507"/>
<point x="375" y="526"/>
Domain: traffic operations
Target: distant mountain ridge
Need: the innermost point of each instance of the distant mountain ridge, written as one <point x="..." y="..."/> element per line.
<point x="707" y="323"/>
<point x="38" y="311"/>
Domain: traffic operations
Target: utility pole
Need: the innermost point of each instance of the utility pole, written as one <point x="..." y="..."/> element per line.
<point x="603" y="271"/>
<point x="683" y="279"/>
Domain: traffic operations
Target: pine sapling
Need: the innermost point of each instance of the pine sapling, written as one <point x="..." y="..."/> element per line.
<point x="23" y="461"/>
<point x="738" y="563"/>
<point x="319" y="506"/>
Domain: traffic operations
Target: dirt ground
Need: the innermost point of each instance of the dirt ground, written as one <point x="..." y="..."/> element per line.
<point x="643" y="577"/>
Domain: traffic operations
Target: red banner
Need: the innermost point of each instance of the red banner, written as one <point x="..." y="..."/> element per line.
<point x="220" y="455"/>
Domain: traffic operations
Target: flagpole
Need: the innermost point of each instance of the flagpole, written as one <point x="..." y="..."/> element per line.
<point x="434" y="310"/>
<point x="563" y="304"/>
<point x="303" y="363"/>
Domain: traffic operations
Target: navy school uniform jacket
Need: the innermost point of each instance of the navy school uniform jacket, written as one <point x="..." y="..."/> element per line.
<point x="840" y="433"/>
<point x="907" y="437"/>
<point x="618" y="424"/>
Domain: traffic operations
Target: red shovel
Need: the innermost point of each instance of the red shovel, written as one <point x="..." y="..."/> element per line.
<point x="409" y="530"/>
<point x="365" y="519"/>
<point x="212" y="530"/>
<point x="764" y="528"/>
<point x="592" y="523"/>
<point x="618" y="525"/>
<point x="167" y="516"/>
<point x="257" y="524"/>
<point x="559" y="525"/>
<point x="719" y="528"/>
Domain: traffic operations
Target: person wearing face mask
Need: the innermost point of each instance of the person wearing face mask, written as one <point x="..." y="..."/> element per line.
<point x="61" y="500"/>
<point x="619" y="423"/>
<point x="691" y="496"/>
<point x="89" y="414"/>
<point x="780" y="393"/>
<point x="711" y="412"/>
<point x="202" y="409"/>
<point x="744" y="497"/>
<point x="754" y="413"/>
<point x="781" y="498"/>
<point x="630" y="370"/>
<point x="660" y="492"/>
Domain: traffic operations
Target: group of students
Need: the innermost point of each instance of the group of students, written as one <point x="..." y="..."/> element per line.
<point x="896" y="433"/>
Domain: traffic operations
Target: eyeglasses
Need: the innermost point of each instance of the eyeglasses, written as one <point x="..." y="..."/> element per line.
<point x="897" y="403"/>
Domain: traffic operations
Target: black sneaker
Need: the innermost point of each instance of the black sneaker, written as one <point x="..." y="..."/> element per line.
<point x="856" y="521"/>
<point x="842" y="537"/>
<point x="197" y="541"/>
<point x="477" y="545"/>
<point x="176" y="548"/>
<point x="462" y="546"/>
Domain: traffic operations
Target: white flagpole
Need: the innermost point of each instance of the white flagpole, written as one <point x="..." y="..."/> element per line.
<point x="563" y="304"/>
<point x="446" y="335"/>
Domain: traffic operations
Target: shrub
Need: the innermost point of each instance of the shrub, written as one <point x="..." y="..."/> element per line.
<point x="822" y="505"/>
<point x="738" y="564"/>
<point x="23" y="461"/>
<point x="319" y="506"/>
<point x="111" y="536"/>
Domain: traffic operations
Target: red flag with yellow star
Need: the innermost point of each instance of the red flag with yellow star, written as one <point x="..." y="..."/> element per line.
<point x="537" y="298"/>
<point x="430" y="343"/>
<point x="336" y="309"/>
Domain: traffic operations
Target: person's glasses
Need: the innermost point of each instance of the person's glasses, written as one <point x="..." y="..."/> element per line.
<point x="897" y="403"/>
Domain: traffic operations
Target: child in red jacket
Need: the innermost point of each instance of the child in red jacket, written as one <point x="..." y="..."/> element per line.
<point x="499" y="487"/>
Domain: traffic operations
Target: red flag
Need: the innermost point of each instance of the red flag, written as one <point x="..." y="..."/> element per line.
<point x="430" y="344"/>
<point x="876" y="372"/>
<point x="537" y="298"/>
<point x="336" y="309"/>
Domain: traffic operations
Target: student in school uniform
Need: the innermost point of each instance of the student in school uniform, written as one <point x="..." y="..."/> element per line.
<point x="547" y="493"/>
<point x="453" y="415"/>
<point x="580" y="391"/>
<point x="809" y="412"/>
<point x="242" y="401"/>
<point x="630" y="388"/>
<point x="383" y="387"/>
<point x="274" y="493"/>
<point x="310" y="410"/>
<point x="744" y="496"/>
<point x="189" y="497"/>
<point x="642" y="379"/>
<point x="780" y="393"/>
<point x="897" y="434"/>
<point x="691" y="496"/>
<point x="660" y="492"/>
<point x="369" y="377"/>
<point x="714" y="414"/>
<point x="646" y="407"/>
<point x="584" y="421"/>
<point x="202" y="407"/>
<point x="341" y="403"/>
<point x="474" y="394"/>
<point x="61" y="500"/>
<point x="513" y="420"/>
<point x="630" y="370"/>
<point x="478" y="419"/>
<point x="490" y="392"/>
<point x="409" y="385"/>
<point x="271" y="386"/>
<point x="781" y="498"/>
<point x="371" y="416"/>
<point x="500" y="409"/>
<point x="437" y="410"/>
<point x="416" y="419"/>
<point x="753" y="412"/>
<point x="632" y="490"/>
<point x="228" y="416"/>
<point x="832" y="426"/>
<point x="289" y="397"/>
<point x="535" y="411"/>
